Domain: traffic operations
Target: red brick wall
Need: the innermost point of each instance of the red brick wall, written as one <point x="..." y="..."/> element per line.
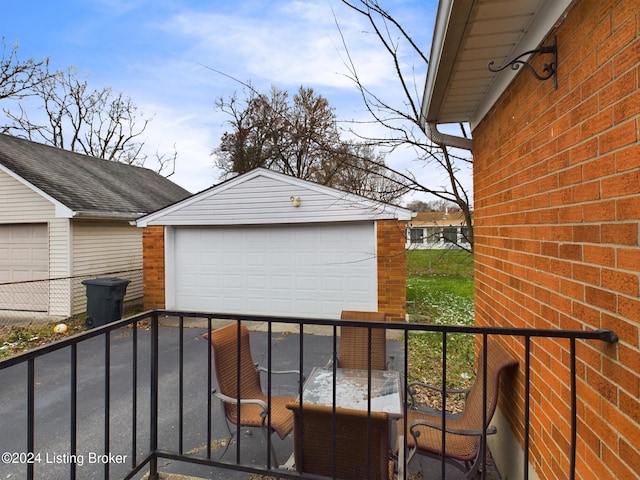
<point x="392" y="269"/>
<point x="153" y="267"/>
<point x="557" y="210"/>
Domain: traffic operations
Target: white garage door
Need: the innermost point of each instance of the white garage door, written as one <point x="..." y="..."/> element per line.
<point x="24" y="256"/>
<point x="306" y="271"/>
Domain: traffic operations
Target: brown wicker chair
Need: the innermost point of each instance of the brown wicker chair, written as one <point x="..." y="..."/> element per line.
<point x="361" y="448"/>
<point x="354" y="342"/>
<point x="464" y="440"/>
<point x="254" y="411"/>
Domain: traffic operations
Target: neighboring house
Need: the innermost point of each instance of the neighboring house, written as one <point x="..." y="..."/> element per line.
<point x="556" y="212"/>
<point x="438" y="230"/>
<point x="270" y="244"/>
<point x="66" y="217"/>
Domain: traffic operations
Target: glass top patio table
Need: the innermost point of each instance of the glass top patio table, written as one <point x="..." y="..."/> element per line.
<point x="352" y="389"/>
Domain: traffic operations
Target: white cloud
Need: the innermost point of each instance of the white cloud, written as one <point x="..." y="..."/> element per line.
<point x="297" y="44"/>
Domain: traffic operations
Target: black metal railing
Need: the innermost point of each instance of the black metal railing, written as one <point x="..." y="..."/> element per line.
<point x="116" y="401"/>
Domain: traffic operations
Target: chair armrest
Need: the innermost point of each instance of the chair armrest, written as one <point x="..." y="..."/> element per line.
<point x="280" y="372"/>
<point x="490" y="430"/>
<point x="411" y="391"/>
<point x="243" y="401"/>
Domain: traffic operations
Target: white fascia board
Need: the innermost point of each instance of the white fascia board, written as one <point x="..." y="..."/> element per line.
<point x="443" y="17"/>
<point x="61" y="210"/>
<point x="545" y="20"/>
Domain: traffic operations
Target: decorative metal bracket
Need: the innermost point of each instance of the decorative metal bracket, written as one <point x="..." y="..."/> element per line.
<point x="549" y="70"/>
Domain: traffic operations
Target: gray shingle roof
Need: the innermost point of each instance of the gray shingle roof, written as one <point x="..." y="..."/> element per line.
<point x="87" y="184"/>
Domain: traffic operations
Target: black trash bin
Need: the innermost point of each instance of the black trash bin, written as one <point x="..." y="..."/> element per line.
<point x="105" y="300"/>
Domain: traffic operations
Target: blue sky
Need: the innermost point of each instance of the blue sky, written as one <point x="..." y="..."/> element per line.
<point x="158" y="52"/>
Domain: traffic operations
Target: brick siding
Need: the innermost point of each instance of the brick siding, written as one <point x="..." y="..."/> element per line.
<point x="557" y="210"/>
<point x="153" y="267"/>
<point x="392" y="269"/>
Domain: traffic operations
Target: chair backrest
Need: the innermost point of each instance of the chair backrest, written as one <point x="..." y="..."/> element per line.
<point x="354" y="342"/>
<point x="226" y="347"/>
<point x="361" y="448"/>
<point x="498" y="360"/>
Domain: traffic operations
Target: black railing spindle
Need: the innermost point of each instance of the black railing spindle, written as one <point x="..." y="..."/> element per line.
<point x="31" y="414"/>
<point x="134" y="393"/>
<point x="73" y="434"/>
<point x="107" y="398"/>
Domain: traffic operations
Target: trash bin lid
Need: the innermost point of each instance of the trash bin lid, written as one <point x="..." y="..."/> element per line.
<point x="106" y="282"/>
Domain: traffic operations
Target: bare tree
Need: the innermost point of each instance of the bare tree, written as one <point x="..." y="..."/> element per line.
<point x="433" y="206"/>
<point x="62" y="111"/>
<point x="17" y="77"/>
<point x="299" y="137"/>
<point x="401" y="119"/>
<point x="362" y="170"/>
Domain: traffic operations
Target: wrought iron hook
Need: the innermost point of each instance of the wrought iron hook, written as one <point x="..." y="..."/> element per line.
<point x="549" y="70"/>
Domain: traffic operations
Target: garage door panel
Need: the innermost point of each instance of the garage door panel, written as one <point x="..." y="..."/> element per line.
<point x="302" y="270"/>
<point x="24" y="257"/>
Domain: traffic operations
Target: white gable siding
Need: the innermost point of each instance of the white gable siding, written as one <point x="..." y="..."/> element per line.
<point x="102" y="248"/>
<point x="265" y="200"/>
<point x="20" y="204"/>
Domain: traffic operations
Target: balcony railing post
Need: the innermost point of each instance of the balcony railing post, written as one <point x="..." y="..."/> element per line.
<point x="527" y="403"/>
<point x="134" y="393"/>
<point x="74" y="407"/>
<point x="31" y="413"/>
<point x="107" y="395"/>
<point x="153" y="410"/>
<point x="574" y="407"/>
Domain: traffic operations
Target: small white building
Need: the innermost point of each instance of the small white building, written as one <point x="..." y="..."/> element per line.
<point x="65" y="217"/>
<point x="438" y="231"/>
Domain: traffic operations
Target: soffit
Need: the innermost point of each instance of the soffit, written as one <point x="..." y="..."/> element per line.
<point x="468" y="35"/>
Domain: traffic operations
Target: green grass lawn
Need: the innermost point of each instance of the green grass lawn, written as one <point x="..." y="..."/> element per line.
<point x="440" y="262"/>
<point x="440" y="292"/>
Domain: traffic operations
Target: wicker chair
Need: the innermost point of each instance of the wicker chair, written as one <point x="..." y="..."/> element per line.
<point x="354" y="342"/>
<point x="361" y="448"/>
<point x="464" y="433"/>
<point x="254" y="411"/>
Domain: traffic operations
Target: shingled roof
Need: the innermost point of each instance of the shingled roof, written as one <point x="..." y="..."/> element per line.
<point x="88" y="185"/>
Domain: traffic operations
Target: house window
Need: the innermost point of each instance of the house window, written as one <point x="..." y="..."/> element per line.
<point x="465" y="235"/>
<point x="416" y="235"/>
<point x="450" y="234"/>
<point x="432" y="234"/>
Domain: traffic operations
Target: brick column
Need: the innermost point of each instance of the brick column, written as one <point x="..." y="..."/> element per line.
<point x="392" y="269"/>
<point x="153" y="267"/>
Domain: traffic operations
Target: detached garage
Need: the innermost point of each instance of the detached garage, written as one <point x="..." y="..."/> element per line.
<point x="269" y="244"/>
<point x="65" y="218"/>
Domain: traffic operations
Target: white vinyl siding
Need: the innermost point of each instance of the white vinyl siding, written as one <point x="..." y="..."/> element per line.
<point x="60" y="267"/>
<point x="101" y="248"/>
<point x="20" y="204"/>
<point x="266" y="199"/>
